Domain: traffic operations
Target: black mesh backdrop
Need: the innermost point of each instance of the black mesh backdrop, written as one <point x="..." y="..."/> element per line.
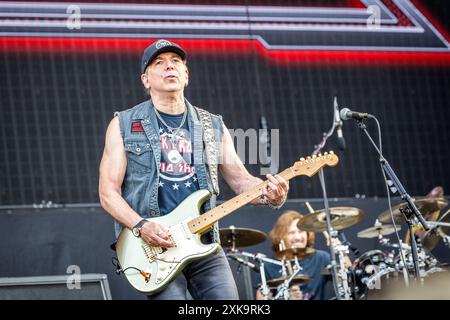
<point x="55" y="108"/>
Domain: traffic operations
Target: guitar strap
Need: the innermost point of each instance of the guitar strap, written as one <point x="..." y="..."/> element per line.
<point x="210" y="146"/>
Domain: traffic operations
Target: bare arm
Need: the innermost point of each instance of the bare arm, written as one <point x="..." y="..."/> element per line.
<point x="112" y="172"/>
<point x="240" y="180"/>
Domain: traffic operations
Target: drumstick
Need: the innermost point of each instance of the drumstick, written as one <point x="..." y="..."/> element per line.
<point x="325" y="233"/>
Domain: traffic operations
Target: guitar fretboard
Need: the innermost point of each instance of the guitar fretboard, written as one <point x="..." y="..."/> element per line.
<point x="207" y="219"/>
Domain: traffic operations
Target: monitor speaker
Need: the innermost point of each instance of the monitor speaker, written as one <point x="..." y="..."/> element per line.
<point x="59" y="287"/>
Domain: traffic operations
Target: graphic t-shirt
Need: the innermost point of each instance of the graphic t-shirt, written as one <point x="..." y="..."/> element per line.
<point x="177" y="177"/>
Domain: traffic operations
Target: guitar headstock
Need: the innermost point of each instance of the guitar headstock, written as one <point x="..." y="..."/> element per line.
<point x="311" y="165"/>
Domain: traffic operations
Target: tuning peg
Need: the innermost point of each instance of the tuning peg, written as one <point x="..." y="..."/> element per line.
<point x="302" y="159"/>
<point x="314" y="156"/>
<point x="325" y="153"/>
<point x="331" y="152"/>
<point x="320" y="154"/>
<point x="308" y="158"/>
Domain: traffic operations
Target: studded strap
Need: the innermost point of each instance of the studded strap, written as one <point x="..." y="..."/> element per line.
<point x="209" y="140"/>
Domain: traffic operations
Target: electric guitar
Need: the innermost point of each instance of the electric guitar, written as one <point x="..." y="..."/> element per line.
<point x="150" y="269"/>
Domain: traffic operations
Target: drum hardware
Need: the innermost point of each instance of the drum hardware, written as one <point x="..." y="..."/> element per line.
<point x="368" y="269"/>
<point x="374" y="281"/>
<point x="261" y="258"/>
<point x="343" y="284"/>
<point x="440" y="230"/>
<point x="286" y="279"/>
<point x="340" y="218"/>
<point x="426" y="206"/>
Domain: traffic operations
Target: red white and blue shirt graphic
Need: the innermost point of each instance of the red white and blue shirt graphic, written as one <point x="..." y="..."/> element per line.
<point x="177" y="177"/>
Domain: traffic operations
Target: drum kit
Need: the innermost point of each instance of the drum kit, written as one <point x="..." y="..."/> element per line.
<point x="368" y="272"/>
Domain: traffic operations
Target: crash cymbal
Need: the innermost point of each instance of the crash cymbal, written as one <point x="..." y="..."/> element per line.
<point x="341" y="218"/>
<point x="425" y="206"/>
<point x="292" y="253"/>
<point x="377" y="230"/>
<point x="433" y="236"/>
<point x="240" y="237"/>
<point x="298" y="279"/>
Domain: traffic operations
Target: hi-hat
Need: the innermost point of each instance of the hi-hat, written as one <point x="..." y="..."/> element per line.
<point x="240" y="237"/>
<point x="292" y="253"/>
<point x="298" y="279"/>
<point x="425" y="206"/>
<point x="341" y="218"/>
<point x="377" y="230"/>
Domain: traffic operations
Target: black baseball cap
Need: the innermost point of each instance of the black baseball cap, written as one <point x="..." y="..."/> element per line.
<point x="158" y="47"/>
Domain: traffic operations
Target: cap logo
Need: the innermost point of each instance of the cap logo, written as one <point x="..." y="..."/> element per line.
<point x="162" y="43"/>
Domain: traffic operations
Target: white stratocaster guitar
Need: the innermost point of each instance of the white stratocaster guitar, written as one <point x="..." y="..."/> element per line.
<point x="150" y="269"/>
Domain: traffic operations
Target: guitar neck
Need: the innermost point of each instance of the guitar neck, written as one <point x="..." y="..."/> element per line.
<point x="207" y="219"/>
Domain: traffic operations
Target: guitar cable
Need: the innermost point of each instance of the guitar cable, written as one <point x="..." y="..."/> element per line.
<point x="119" y="269"/>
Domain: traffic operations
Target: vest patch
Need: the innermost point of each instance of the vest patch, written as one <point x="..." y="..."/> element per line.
<point x="136" y="126"/>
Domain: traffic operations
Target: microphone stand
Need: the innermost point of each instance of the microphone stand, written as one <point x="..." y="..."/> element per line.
<point x="396" y="186"/>
<point x="331" y="232"/>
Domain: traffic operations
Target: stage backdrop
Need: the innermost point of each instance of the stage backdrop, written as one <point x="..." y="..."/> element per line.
<point x="60" y="86"/>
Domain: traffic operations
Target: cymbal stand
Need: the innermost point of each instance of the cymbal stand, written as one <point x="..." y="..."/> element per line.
<point x="261" y="258"/>
<point x="264" y="288"/>
<point x="283" y="289"/>
<point x="343" y="287"/>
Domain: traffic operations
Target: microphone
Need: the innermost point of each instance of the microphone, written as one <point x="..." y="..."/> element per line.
<point x="246" y="263"/>
<point x="337" y="118"/>
<point x="346" y="114"/>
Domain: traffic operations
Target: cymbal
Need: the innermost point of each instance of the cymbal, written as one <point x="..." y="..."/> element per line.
<point x="425" y="206"/>
<point x="291" y="253"/>
<point x="341" y="218"/>
<point x="433" y="236"/>
<point x="377" y="230"/>
<point x="298" y="279"/>
<point x="240" y="237"/>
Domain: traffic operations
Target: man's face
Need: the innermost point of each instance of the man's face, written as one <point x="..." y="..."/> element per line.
<point x="166" y="73"/>
<point x="295" y="237"/>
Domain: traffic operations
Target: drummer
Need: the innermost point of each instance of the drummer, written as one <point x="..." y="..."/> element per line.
<point x="285" y="231"/>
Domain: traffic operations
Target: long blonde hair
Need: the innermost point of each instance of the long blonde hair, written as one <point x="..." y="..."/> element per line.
<point x="281" y="227"/>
